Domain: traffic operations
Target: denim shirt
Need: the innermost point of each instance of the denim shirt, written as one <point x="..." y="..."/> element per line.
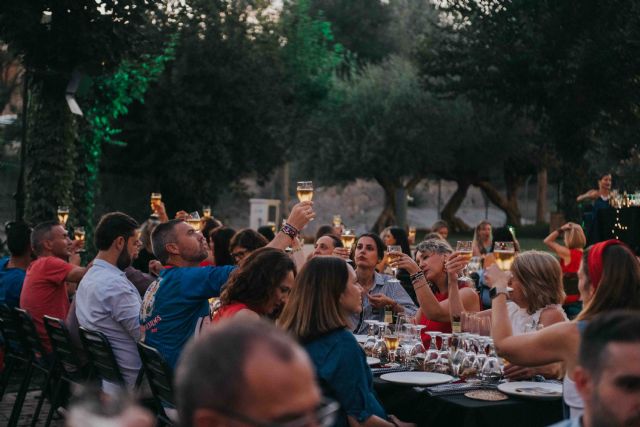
<point x="393" y="290"/>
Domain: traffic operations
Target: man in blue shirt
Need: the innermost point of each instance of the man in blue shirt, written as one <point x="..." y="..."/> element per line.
<point x="13" y="268"/>
<point x="176" y="306"/>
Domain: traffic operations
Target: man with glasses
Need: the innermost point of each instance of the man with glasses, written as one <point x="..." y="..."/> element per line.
<point x="248" y="373"/>
<point x="106" y="300"/>
<point x="176" y="305"/>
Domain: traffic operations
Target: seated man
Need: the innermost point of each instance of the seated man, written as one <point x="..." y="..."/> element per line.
<point x="176" y="305"/>
<point x="261" y="377"/>
<point x="13" y="268"/>
<point x="45" y="285"/>
<point x="608" y="373"/>
<point x="106" y="300"/>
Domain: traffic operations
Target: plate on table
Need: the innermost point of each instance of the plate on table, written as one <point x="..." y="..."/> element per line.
<point x="417" y="378"/>
<point x="532" y="390"/>
<point x="361" y="338"/>
<point x="372" y="361"/>
<point x="486" y="395"/>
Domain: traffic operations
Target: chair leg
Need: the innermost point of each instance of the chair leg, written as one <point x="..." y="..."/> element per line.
<point x="9" y="364"/>
<point x="24" y="387"/>
<point x="47" y="387"/>
<point x="55" y="400"/>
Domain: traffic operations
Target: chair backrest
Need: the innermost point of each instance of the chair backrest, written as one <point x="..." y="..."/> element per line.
<point x="101" y="358"/>
<point x="62" y="346"/>
<point x="159" y="374"/>
<point x="30" y="337"/>
<point x="11" y="331"/>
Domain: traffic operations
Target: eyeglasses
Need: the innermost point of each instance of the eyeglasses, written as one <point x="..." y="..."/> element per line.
<point x="324" y="416"/>
<point x="239" y="254"/>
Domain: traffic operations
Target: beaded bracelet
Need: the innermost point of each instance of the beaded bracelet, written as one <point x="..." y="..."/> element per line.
<point x="289" y="230"/>
<point x="417" y="276"/>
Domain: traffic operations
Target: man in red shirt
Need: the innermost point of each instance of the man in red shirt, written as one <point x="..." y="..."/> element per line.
<point x="45" y="290"/>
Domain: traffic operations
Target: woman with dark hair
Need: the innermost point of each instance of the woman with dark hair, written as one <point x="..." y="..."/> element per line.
<point x="260" y="287"/>
<point x="379" y="291"/>
<point x="326" y="295"/>
<point x="482" y="238"/>
<point x="397" y="236"/>
<point x="609" y="279"/>
<point x="219" y="239"/>
<point x="244" y="242"/>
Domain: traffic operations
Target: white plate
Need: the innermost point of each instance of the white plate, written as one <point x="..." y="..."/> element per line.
<point x="417" y="378"/>
<point x="532" y="390"/>
<point x="372" y="361"/>
<point x="361" y="338"/>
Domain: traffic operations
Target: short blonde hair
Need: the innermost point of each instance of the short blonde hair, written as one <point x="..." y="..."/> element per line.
<point x="574" y="237"/>
<point x="541" y="278"/>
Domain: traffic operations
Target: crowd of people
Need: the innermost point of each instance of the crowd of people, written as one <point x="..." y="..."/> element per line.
<point x="259" y="334"/>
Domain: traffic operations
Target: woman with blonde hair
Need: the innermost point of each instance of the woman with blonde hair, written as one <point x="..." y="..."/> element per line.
<point x="326" y="294"/>
<point x="609" y="279"/>
<point x="574" y="242"/>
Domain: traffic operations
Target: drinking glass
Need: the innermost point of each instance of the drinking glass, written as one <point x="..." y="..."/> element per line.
<point x="412" y="235"/>
<point x="195" y="221"/>
<point x="337" y="220"/>
<point x="156" y="198"/>
<point x="79" y="234"/>
<point x="392" y="341"/>
<point x="63" y="215"/>
<point x="393" y="251"/>
<point x="206" y="211"/>
<point x="465" y="250"/>
<point x="371" y="337"/>
<point x="458" y="354"/>
<point x="380" y="347"/>
<point x="491" y="372"/>
<point x="305" y="191"/>
<point x="348" y="238"/>
<point x="431" y="358"/>
<point x="505" y="253"/>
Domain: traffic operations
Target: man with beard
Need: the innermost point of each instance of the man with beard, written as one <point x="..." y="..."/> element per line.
<point x="608" y="374"/>
<point x="176" y="306"/>
<point x="106" y="300"/>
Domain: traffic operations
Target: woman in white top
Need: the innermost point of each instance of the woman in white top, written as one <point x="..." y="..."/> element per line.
<point x="535" y="302"/>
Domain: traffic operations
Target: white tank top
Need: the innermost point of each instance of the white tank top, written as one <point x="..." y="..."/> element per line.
<point x="522" y="322"/>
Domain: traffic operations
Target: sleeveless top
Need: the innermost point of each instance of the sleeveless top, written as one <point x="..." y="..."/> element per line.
<point x="229" y="311"/>
<point x="434" y="325"/>
<point x="569" y="391"/>
<point x="522" y="322"/>
<point x="574" y="263"/>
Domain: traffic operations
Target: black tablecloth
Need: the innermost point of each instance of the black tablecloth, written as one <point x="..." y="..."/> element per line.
<point x="411" y="405"/>
<point x="622" y="224"/>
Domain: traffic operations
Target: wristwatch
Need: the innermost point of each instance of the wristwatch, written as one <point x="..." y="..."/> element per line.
<point x="494" y="292"/>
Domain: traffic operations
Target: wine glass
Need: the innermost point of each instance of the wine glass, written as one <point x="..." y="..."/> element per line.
<point x="337" y="220"/>
<point x="505" y="253"/>
<point x="393" y="251"/>
<point x="491" y="372"/>
<point x="433" y="353"/>
<point x="305" y="191"/>
<point x="156" y="198"/>
<point x="79" y="235"/>
<point x="380" y="347"/>
<point x="458" y="354"/>
<point x="195" y="221"/>
<point x="206" y="211"/>
<point x="465" y="250"/>
<point x="371" y="337"/>
<point x="392" y="341"/>
<point x="63" y="215"/>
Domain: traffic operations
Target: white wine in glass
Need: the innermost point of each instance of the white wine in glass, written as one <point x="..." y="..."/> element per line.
<point x="393" y="252"/>
<point x="505" y="254"/>
<point x="337" y="220"/>
<point x="195" y="221"/>
<point x="63" y="214"/>
<point x="79" y="234"/>
<point x="348" y="238"/>
<point x="465" y="250"/>
<point x="156" y="198"/>
<point x="305" y="191"/>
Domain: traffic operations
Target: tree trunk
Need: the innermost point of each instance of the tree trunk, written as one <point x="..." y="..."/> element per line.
<point x="513" y="213"/>
<point x="541" y="195"/>
<point x="453" y="204"/>
<point x="388" y="215"/>
<point x="514" y="182"/>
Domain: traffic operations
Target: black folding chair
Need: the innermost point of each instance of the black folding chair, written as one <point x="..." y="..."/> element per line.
<point x="69" y="366"/>
<point x="14" y="352"/>
<point x="37" y="361"/>
<point x="102" y="361"/>
<point x="160" y="378"/>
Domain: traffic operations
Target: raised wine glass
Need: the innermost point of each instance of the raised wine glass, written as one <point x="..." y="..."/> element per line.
<point x="505" y="253"/>
<point x="393" y="252"/>
<point x="304" y="190"/>
<point x="156" y="198"/>
<point x="63" y="215"/>
<point x="465" y="250"/>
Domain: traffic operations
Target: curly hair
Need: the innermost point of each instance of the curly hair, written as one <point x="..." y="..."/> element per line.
<point x="256" y="281"/>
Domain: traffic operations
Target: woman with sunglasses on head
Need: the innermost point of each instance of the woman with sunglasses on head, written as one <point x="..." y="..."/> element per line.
<point x="325" y="296"/>
<point x="609" y="279"/>
<point x="260" y="287"/>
